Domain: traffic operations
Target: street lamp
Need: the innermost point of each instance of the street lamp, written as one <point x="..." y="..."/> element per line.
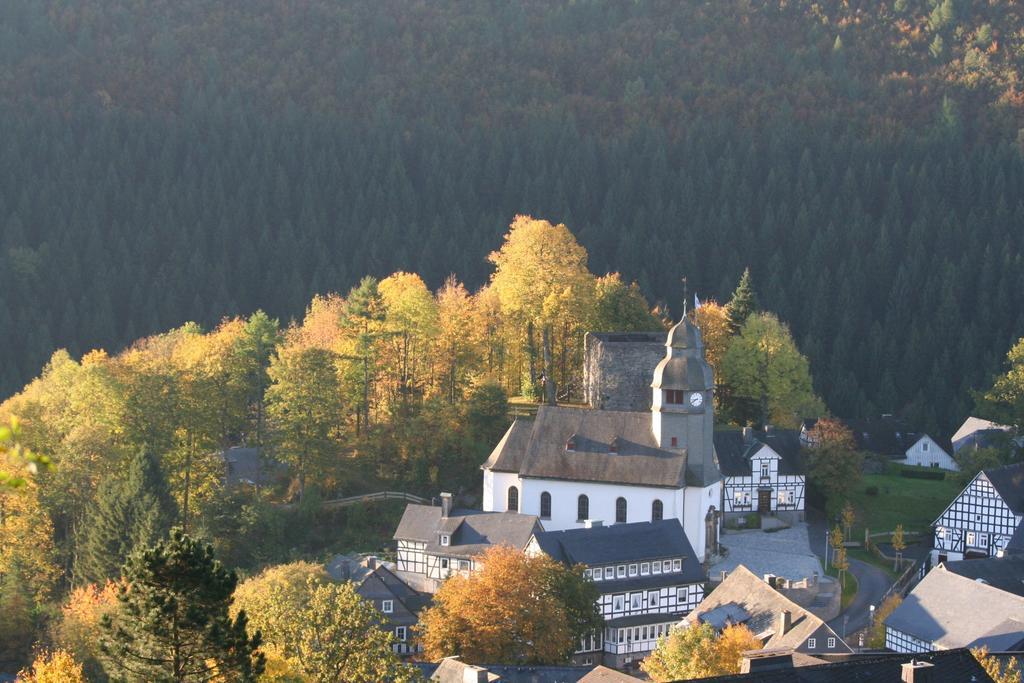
<point x="872" y="610"/>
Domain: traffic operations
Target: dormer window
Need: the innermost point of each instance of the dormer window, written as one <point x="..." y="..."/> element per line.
<point x="446" y="539"/>
<point x="570" y="445"/>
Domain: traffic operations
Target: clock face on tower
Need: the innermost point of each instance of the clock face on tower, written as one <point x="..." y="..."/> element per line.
<point x="696" y="400"/>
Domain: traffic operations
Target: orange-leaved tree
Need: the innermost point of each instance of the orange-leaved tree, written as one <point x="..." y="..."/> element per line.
<point x="696" y="651"/>
<point x="516" y="609"/>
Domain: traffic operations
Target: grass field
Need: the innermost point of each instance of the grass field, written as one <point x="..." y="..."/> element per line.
<point x="914" y="503"/>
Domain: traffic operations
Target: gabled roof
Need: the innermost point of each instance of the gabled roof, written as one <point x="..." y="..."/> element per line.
<point x="742" y="590"/>
<point x="471" y="531"/>
<point x="949" y="665"/>
<point x="976" y="424"/>
<point x="1015" y="546"/>
<point x="886" y="435"/>
<point x="451" y="670"/>
<point x="944" y="609"/>
<point x="536" y="448"/>
<point x="602" y="674"/>
<point x="1004" y="573"/>
<point x="1008" y="481"/>
<point x="635" y="542"/>
<point x="735" y="451"/>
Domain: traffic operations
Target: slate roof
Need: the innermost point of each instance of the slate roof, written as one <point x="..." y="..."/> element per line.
<point x="973" y="425"/>
<point x="943" y="610"/>
<point x="950" y="665"/>
<point x="1008" y="481"/>
<point x="618" y="543"/>
<point x="471" y="531"/>
<point x="451" y="670"/>
<point x="743" y="589"/>
<point x="734" y="451"/>
<point x="1004" y="573"/>
<point x="602" y="674"/>
<point x="541" y="452"/>
<point x="1016" y="543"/>
<point x="889" y="436"/>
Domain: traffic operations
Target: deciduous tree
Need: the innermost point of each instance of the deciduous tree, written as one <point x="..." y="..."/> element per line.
<point x="876" y="634"/>
<point x="695" y="651"/>
<point x="57" y="666"/>
<point x="833" y="464"/>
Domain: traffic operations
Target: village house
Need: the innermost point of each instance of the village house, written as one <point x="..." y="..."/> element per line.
<point x="763" y="473"/>
<point x="436" y="541"/>
<point x="970" y="603"/>
<point x="398" y="603"/>
<point x="648" y="577"/>
<point x="976" y="433"/>
<point x="778" y="622"/>
<point x="894" y="439"/>
<point x="569" y="465"/>
<point x="981" y="521"/>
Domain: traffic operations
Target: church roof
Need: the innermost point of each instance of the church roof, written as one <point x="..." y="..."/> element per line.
<point x="1008" y="481"/>
<point x="683" y="371"/>
<point x="537" y="448"/>
<point x="734" y="451"/>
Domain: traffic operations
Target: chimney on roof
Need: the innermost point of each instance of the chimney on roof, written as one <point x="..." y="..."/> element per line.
<point x="748" y="434"/>
<point x="768" y="429"/>
<point x="918" y="672"/>
<point x="592" y="523"/>
<point x="446" y="505"/>
<point x="785" y="622"/>
<point x="371" y="562"/>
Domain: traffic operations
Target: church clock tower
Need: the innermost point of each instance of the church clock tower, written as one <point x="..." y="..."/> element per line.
<point x="682" y="408"/>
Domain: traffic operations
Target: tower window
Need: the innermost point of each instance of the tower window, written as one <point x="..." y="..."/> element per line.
<point x="582" y="508"/>
<point x="675" y="442"/>
<point x="513" y="499"/>
<point x="620" y="511"/>
<point x="674" y="396"/>
<point x="657" y="511"/>
<point x="545" y="505"/>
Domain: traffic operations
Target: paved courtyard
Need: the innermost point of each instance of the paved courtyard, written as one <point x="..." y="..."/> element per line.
<point x="783" y="553"/>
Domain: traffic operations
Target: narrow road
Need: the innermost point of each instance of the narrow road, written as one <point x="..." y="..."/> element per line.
<point x="872" y="583"/>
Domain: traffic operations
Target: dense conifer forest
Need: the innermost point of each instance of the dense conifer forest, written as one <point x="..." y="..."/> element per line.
<point x="164" y="162"/>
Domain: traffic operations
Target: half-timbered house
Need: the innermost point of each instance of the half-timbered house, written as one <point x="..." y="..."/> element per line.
<point x="648" y="576"/>
<point x="762" y="472"/>
<point x="775" y="620"/>
<point x="570" y="465"/>
<point x="437" y="541"/>
<point x="982" y="519"/>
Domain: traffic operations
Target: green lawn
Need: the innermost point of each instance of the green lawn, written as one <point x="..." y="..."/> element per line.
<point x="914" y="503"/>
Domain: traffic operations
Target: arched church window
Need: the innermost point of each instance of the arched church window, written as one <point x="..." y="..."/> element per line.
<point x="620" y="511"/>
<point x="513" y="499"/>
<point x="582" y="508"/>
<point x="545" y="505"/>
<point x="657" y="511"/>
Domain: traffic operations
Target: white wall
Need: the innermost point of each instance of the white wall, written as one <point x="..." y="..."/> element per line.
<point x="688" y="505"/>
<point x="917" y="455"/>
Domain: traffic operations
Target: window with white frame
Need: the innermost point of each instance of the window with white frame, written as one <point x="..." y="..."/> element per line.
<point x="812" y="643"/>
<point x="681" y="595"/>
<point x="831" y="643"/>
<point x="645" y="568"/>
<point x="653" y="598"/>
<point x="636" y="600"/>
<point x="924" y="446"/>
<point x="632" y="570"/>
<point x="597" y="573"/>
<point x="970" y="538"/>
<point x="785" y="497"/>
<point x="618" y="603"/>
<point x="445" y="539"/>
<point x="677" y="565"/>
<point x="620" y="571"/>
<point x="464" y="565"/>
<point x="587" y="573"/>
<point x="741" y="498"/>
<point x="656" y="566"/>
<point x="444" y="563"/>
<point x="666" y="566"/>
<point x="609" y="573"/>
<point x="765" y="470"/>
<point x="387" y="606"/>
<point x="400" y="633"/>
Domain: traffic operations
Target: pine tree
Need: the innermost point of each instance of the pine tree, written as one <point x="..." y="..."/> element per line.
<point x="172" y="621"/>
<point x="742" y="304"/>
<point x="128" y="513"/>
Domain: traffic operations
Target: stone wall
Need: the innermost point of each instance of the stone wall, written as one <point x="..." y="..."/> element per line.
<point x="618" y="368"/>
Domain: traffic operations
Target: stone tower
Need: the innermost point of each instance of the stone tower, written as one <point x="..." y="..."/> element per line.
<point x="681" y="404"/>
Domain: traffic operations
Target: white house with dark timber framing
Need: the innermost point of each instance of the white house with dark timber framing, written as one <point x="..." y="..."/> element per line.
<point x="982" y="519"/>
<point x="648" y="577"/>
<point x="436" y="542"/>
<point x="570" y="465"/>
<point x="763" y="473"/>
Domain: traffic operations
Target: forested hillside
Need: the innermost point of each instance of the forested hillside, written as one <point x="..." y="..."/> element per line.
<point x="167" y="162"/>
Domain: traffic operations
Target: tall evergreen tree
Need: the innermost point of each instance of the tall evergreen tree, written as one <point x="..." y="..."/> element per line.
<point x="742" y="304"/>
<point x="172" y="621"/>
<point x="129" y="513"/>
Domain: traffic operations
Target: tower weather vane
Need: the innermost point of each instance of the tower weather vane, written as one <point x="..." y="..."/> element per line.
<point x="686" y="295"/>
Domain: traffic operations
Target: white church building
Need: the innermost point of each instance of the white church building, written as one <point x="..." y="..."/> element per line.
<point x="570" y="466"/>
